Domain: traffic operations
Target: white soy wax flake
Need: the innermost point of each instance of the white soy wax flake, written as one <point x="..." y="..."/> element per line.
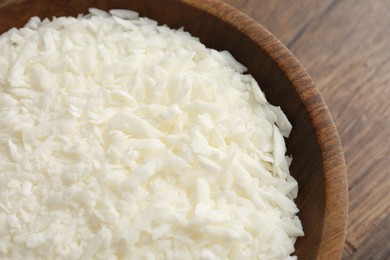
<point x="122" y="138"/>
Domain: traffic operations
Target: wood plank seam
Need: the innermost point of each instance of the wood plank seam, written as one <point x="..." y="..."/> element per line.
<point x="300" y="33"/>
<point x="349" y="249"/>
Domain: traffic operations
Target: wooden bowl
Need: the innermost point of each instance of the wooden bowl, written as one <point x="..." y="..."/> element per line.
<point x="318" y="162"/>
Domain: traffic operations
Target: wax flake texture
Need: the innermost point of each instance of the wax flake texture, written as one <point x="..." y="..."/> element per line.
<point x="124" y="139"/>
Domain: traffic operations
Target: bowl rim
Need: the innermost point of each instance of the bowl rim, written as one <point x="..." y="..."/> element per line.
<point x="335" y="173"/>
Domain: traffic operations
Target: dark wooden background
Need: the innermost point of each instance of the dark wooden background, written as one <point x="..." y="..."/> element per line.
<point x="345" y="47"/>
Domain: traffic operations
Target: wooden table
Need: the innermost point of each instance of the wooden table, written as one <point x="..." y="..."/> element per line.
<point x="345" y="47"/>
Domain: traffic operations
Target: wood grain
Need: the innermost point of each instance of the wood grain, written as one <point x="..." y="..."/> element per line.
<point x="344" y="45"/>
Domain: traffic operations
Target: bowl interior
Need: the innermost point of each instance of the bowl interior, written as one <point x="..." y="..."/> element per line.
<point x="317" y="164"/>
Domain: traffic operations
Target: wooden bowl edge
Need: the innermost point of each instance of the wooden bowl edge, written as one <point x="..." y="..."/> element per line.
<point x="336" y="205"/>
